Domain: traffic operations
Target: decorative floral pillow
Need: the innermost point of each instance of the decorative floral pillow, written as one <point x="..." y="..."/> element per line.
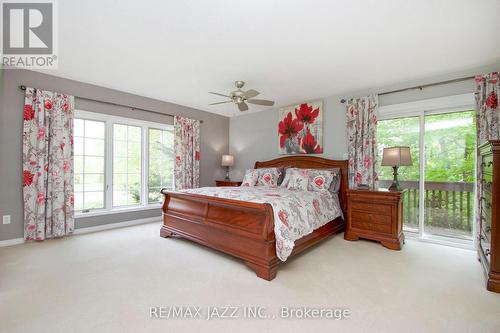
<point x="250" y="179"/>
<point x="269" y="177"/>
<point x="320" y="180"/>
<point x="299" y="180"/>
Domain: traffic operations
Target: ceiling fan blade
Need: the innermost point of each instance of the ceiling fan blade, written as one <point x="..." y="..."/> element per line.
<point x="242" y="106"/>
<point x="220" y="103"/>
<point x="251" y="93"/>
<point x="261" y="102"/>
<point x="214" y="93"/>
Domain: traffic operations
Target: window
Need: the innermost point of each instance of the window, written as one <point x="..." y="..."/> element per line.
<point x="120" y="163"/>
<point x="127" y="142"/>
<point x="439" y="201"/>
<point x="449" y="142"/>
<point x="160" y="164"/>
<point x="402" y="132"/>
<point x="89" y="143"/>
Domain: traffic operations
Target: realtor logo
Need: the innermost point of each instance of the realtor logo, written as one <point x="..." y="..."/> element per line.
<point x="28" y="34"/>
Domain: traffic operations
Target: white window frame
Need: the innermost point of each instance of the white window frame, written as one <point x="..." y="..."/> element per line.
<point x="109" y="121"/>
<point x="161" y="128"/>
<point x="84" y="137"/>
<point x="421" y="108"/>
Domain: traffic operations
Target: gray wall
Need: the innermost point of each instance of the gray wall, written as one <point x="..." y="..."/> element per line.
<point x="214" y="138"/>
<point x="253" y="137"/>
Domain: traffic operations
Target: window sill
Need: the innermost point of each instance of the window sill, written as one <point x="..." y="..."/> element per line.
<point x="117" y="211"/>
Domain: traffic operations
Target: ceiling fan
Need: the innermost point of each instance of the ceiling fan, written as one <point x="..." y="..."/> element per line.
<point x="241" y="98"/>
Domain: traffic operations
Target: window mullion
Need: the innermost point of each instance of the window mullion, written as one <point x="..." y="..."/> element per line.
<point x="421" y="186"/>
<point x="109" y="165"/>
<point x="145" y="166"/>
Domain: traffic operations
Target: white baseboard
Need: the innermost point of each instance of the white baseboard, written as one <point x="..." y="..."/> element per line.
<point x="103" y="227"/>
<point x="80" y="231"/>
<point x="13" y="241"/>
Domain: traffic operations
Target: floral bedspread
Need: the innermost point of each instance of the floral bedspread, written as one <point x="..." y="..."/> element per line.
<point x="296" y="213"/>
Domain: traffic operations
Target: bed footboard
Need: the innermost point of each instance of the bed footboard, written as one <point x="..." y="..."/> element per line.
<point x="242" y="229"/>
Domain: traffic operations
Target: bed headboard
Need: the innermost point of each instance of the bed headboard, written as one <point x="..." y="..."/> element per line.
<point x="311" y="162"/>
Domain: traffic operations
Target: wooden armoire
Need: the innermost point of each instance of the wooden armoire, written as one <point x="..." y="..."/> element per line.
<point x="489" y="202"/>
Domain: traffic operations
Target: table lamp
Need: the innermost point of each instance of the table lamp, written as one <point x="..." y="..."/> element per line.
<point x="227" y="161"/>
<point x="396" y="157"/>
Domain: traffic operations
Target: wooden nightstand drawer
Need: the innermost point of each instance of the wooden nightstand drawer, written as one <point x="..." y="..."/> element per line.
<point x="365" y="217"/>
<point x="383" y="228"/>
<point x="372" y="208"/>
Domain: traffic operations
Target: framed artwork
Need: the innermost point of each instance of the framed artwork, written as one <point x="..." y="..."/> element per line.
<point x="300" y="128"/>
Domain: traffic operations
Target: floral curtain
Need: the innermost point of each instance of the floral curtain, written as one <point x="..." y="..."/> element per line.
<point x="487" y="113"/>
<point x="361" y="130"/>
<point x="48" y="164"/>
<point x="187" y="153"/>
<point x="487" y="116"/>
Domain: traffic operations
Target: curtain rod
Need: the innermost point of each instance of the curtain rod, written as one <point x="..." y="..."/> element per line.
<point x="343" y="100"/>
<point x="23" y="87"/>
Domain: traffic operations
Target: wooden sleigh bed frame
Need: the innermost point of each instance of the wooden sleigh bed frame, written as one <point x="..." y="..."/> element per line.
<point x="245" y="229"/>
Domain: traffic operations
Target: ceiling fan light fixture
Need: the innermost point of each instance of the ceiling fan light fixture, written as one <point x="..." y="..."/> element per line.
<point x="239" y="97"/>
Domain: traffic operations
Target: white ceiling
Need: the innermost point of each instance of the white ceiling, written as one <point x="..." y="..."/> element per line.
<point x="290" y="51"/>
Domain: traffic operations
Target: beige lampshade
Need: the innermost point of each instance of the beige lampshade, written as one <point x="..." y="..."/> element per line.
<point x="396" y="156"/>
<point x="227" y="160"/>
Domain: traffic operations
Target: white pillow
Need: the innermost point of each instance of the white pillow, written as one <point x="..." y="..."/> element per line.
<point x="250" y="178"/>
<point x="299" y="180"/>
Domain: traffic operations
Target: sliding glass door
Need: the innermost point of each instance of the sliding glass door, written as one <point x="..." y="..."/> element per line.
<point x="402" y="132"/>
<point x="439" y="200"/>
<point x="450" y="141"/>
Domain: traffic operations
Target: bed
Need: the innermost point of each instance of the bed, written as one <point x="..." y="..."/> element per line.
<point x="246" y="229"/>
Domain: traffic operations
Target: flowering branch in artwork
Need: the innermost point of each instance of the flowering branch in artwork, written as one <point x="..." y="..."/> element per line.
<point x="288" y="128"/>
<point x="306" y="114"/>
<point x="309" y="144"/>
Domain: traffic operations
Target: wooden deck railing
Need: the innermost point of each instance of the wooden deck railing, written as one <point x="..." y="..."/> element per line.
<point x="447" y="205"/>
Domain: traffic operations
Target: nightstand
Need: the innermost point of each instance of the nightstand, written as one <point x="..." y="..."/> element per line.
<point x="376" y="215"/>
<point x="227" y="183"/>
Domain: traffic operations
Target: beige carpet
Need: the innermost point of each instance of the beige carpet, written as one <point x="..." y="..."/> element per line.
<point x="107" y="282"/>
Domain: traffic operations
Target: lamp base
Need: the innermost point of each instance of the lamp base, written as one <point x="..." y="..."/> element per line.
<point x="227" y="174"/>
<point x="395" y="184"/>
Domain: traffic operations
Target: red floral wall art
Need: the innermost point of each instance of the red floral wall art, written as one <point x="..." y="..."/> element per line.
<point x="300" y="129"/>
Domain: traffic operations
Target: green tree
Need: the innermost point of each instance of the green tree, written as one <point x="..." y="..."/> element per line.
<point x="450" y="145"/>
